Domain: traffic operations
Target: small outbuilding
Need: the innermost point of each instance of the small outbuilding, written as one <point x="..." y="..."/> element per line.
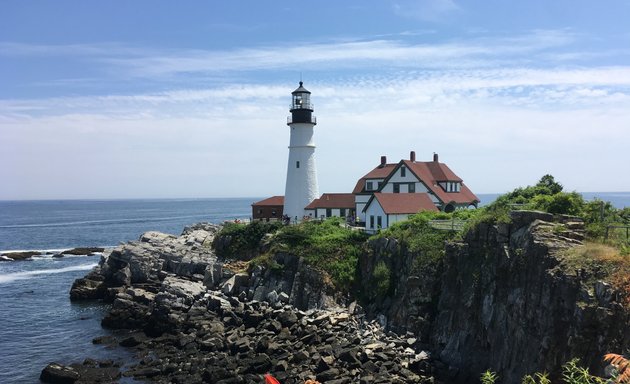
<point x="332" y="205"/>
<point x="268" y="209"/>
<point x="384" y="209"/>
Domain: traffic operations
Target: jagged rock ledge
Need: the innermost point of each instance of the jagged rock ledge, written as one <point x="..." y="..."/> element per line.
<point x="28" y="255"/>
<point x="194" y="320"/>
<point x="502" y="299"/>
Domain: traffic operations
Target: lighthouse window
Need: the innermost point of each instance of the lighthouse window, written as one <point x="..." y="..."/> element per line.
<point x="297" y="164"/>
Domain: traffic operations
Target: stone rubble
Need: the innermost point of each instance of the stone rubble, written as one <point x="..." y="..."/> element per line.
<point x="193" y="321"/>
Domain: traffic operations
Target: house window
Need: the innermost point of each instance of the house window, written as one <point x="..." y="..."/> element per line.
<point x="342" y="212"/>
<point x="369" y="186"/>
<point x="378" y="185"/>
<point x="412" y="187"/>
<point x="297" y="164"/>
<point x="273" y="212"/>
<point x="371" y="221"/>
<point x="328" y="212"/>
<point x="396" y="188"/>
<point x="403" y="171"/>
<point x="379" y="222"/>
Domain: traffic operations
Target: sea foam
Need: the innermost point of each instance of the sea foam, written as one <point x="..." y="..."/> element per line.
<point x="9" y="277"/>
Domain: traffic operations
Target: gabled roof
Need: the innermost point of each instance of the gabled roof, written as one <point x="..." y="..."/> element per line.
<point x="403" y="203"/>
<point x="380" y="172"/>
<point x="333" y="200"/>
<point x="433" y="172"/>
<point x="274" y="200"/>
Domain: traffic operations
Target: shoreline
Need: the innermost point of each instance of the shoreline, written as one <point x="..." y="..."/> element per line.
<point x="28" y="255"/>
<point x="192" y="319"/>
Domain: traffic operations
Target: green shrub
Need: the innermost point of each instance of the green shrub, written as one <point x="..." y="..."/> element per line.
<point x="418" y="236"/>
<point x="572" y="373"/>
<point x="489" y="377"/>
<point x="327" y="245"/>
<point x="381" y="279"/>
<point x="244" y="239"/>
<point x="537" y="378"/>
<point x="559" y="203"/>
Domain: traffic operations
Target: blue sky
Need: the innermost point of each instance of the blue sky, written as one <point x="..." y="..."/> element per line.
<point x="123" y="99"/>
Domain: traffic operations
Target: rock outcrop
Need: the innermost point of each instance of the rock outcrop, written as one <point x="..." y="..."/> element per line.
<point x="500" y="300"/>
<point x="195" y="319"/>
<point x="148" y="261"/>
<point x="506" y="305"/>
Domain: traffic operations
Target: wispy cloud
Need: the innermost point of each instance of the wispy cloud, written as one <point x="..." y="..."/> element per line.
<point x="350" y="54"/>
<point x="544" y="88"/>
<point x="473" y="100"/>
<point x="402" y="52"/>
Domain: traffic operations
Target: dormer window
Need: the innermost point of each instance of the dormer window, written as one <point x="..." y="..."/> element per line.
<point x="451" y="186"/>
<point x="403" y="171"/>
<point x="369" y="186"/>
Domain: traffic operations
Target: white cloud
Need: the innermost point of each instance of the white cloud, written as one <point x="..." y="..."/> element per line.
<point x="498" y="121"/>
<point x="120" y="61"/>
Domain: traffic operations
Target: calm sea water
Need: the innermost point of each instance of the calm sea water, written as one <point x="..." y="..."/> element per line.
<point x="38" y="322"/>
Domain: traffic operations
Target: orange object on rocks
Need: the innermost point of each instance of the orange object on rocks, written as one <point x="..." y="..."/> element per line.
<point x="309" y="381"/>
<point x="270" y="379"/>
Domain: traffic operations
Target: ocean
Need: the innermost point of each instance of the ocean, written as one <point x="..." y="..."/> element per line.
<point x="39" y="323"/>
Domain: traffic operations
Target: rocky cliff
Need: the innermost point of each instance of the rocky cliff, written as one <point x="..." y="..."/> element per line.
<point x="502" y="300"/>
<point x="195" y="318"/>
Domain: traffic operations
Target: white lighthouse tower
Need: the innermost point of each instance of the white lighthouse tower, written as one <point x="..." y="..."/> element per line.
<point x="301" y="187"/>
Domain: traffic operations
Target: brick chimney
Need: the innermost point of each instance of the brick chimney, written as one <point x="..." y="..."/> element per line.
<point x="383" y="161"/>
<point x="435" y="157"/>
<point x="412" y="156"/>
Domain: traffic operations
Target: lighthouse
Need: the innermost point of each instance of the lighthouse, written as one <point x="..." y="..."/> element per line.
<point x="301" y="187"/>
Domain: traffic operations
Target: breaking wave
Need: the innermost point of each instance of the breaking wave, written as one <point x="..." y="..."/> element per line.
<point x="9" y="277"/>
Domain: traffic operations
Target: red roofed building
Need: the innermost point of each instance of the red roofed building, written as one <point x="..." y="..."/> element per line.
<point x="332" y="204"/>
<point x="431" y="179"/>
<point x="386" y="209"/>
<point x="268" y="209"/>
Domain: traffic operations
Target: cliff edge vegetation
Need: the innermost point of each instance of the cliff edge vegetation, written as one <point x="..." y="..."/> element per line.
<point x="328" y="246"/>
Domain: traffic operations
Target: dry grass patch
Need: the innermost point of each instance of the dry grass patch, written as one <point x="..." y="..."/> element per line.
<point x="598" y="261"/>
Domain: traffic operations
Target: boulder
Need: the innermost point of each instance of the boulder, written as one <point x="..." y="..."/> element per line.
<point x="55" y="373"/>
<point x="88" y="251"/>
